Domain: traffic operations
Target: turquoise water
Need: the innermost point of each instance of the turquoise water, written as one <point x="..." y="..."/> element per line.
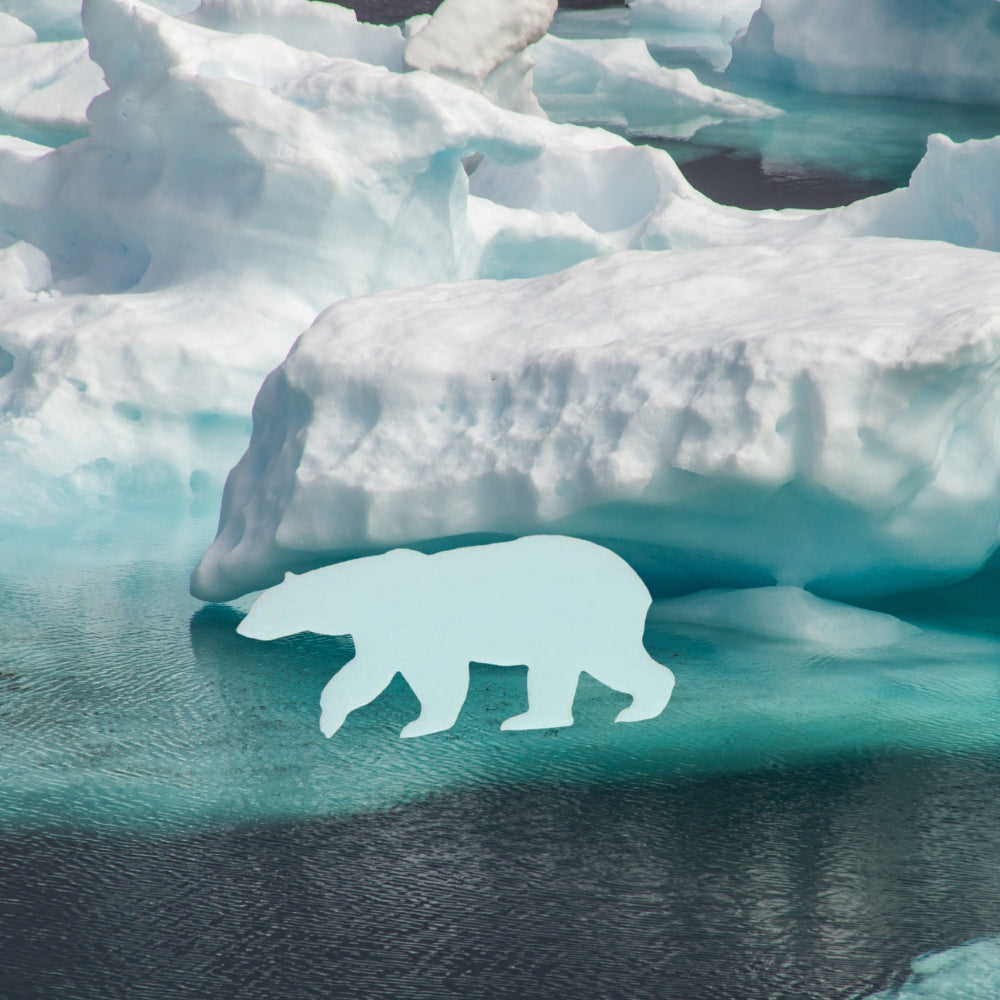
<point x="127" y="704"/>
<point x="823" y="150"/>
<point x="797" y="824"/>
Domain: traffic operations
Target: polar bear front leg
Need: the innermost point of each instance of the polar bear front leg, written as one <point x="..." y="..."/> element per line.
<point x="441" y="691"/>
<point x="550" y="699"/>
<point x="358" y="682"/>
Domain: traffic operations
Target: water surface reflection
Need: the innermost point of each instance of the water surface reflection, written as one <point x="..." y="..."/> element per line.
<point x="818" y="882"/>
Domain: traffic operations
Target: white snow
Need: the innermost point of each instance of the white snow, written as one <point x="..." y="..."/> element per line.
<point x="919" y="49"/>
<point x="481" y="45"/>
<point x="822" y="413"/>
<point x="558" y="605"/>
<point x="48" y="84"/>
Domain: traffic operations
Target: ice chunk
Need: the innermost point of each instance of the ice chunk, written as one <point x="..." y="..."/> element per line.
<point x="313" y="27"/>
<point x="559" y="605"/>
<point x="785" y="613"/>
<point x="969" y="972"/>
<point x="724" y="16"/>
<point x="480" y="44"/>
<point x="23" y="269"/>
<point x="139" y="397"/>
<point x="218" y="153"/>
<point x="617" y="82"/>
<point x="824" y="416"/>
<point x="244" y="169"/>
<point x="919" y="49"/>
<point x="704" y="28"/>
<point x="59" y="20"/>
<point x="954" y="195"/>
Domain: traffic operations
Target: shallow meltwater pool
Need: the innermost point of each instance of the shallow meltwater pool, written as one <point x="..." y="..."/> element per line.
<point x="803" y="820"/>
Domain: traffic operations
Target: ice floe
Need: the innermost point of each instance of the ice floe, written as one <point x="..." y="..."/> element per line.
<point x="924" y="48"/>
<point x="820" y="414"/>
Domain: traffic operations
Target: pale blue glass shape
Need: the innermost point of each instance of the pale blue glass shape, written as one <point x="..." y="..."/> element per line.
<point x="556" y="604"/>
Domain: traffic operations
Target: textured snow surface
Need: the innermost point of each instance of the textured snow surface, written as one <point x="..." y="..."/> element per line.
<point x="240" y="169"/>
<point x="947" y="51"/>
<point x="481" y="46"/>
<point x="48" y="83"/>
<point x="825" y="415"/>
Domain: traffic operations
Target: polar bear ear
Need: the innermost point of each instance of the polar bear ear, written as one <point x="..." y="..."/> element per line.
<point x="289" y="575"/>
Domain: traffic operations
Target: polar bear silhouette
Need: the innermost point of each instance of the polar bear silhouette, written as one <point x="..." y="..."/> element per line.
<point x="560" y="605"/>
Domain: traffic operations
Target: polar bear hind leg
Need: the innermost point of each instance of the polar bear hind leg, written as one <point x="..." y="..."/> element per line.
<point x="648" y="682"/>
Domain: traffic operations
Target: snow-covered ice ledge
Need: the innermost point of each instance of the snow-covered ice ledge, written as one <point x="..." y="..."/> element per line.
<point x="824" y="414"/>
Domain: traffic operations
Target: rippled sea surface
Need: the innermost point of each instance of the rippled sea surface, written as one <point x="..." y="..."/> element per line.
<point x="172" y="823"/>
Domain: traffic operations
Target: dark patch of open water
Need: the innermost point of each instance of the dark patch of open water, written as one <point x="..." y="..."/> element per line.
<point x="816" y="882"/>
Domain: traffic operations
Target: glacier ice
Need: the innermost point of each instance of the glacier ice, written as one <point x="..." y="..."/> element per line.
<point x="821" y="415"/>
<point x="703" y="28"/>
<point x="947" y="51"/>
<point x="559" y="605"/>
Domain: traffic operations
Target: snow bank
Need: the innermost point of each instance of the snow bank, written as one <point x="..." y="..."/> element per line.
<point x="48" y="85"/>
<point x="918" y="49"/>
<point x="617" y="82"/>
<point x="823" y="417"/>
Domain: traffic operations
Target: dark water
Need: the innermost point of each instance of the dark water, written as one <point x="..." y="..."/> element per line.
<point x="821" y="882"/>
<point x="743" y="181"/>
<point x="393" y="11"/>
